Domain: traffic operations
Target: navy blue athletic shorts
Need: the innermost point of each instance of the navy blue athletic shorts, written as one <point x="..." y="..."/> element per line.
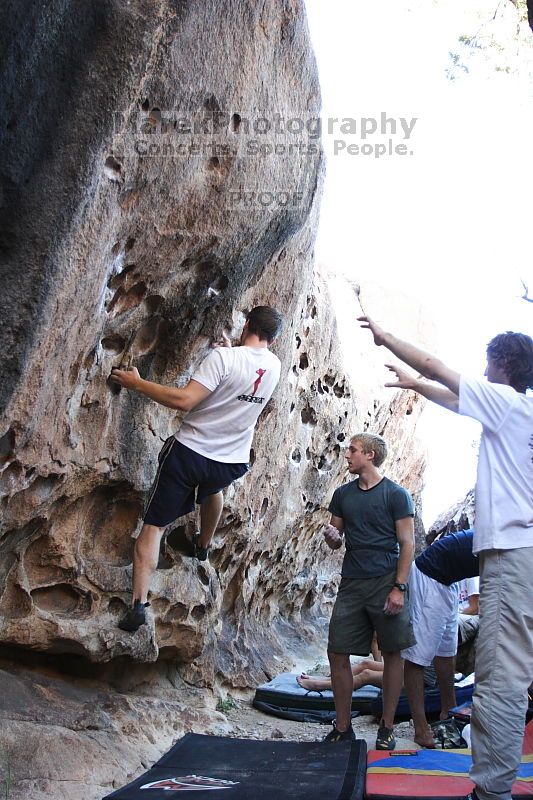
<point x="181" y="474"/>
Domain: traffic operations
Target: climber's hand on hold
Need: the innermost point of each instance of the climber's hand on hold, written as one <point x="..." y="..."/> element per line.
<point x="128" y="378"/>
<point x="224" y="341"/>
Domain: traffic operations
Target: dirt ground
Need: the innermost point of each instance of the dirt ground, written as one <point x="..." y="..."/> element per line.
<point x="248" y="723"/>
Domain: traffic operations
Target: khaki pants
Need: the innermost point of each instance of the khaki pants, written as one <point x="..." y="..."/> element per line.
<point x="504" y="669"/>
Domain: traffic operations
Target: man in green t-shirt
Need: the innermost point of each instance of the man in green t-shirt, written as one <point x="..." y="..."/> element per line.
<point x="375" y="517"/>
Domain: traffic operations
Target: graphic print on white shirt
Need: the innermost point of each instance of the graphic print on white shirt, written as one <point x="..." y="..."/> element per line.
<point x="253" y="398"/>
<point x="241" y="381"/>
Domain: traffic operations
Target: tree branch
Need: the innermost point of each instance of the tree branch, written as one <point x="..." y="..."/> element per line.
<point x="526" y="296"/>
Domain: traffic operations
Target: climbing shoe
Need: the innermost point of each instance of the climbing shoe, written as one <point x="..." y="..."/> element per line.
<point x="340" y="736"/>
<point x="199" y="552"/>
<point x="134" y="617"/>
<point x="385" y="739"/>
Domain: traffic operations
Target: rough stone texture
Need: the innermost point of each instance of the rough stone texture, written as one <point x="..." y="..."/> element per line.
<point x="130" y="255"/>
<point x="63" y="739"/>
<point x="459" y="517"/>
<point x="149" y="257"/>
<point x="107" y="254"/>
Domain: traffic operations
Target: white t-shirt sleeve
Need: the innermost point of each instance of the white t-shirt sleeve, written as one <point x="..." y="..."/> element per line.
<point x="489" y="403"/>
<point x="212" y="370"/>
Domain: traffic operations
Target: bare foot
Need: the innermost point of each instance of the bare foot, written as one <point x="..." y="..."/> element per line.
<point x="425" y="739"/>
<point x="311" y="684"/>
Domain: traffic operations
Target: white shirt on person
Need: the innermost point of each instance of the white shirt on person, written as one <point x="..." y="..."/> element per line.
<point x="467" y="588"/>
<point x="241" y="381"/>
<point x="504" y="485"/>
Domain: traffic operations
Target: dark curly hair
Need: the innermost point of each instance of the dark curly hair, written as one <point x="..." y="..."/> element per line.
<point x="514" y="353"/>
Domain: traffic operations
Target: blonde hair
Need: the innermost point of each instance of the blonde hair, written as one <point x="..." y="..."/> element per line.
<point x="372" y="442"/>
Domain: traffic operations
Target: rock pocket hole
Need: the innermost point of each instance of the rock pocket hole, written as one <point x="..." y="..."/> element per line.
<point x="145" y="104"/>
<point x="236" y="122"/>
<point x="304" y="361"/>
<point x="42" y="489"/>
<point x="124" y="301"/>
<point x="130" y="241"/>
<point x="164" y="562"/>
<point x="177" y="540"/>
<point x="178" y="613"/>
<point x="61" y="599"/>
<point x="117" y="606"/>
<point x="110" y="513"/>
<point x="7" y="446"/>
<point x="214" y="164"/>
<point x="11" y="476"/>
<point x="114" y="343"/>
<point x="296" y="455"/>
<point x="148" y="336"/>
<point x="211" y="104"/>
<point x="205" y="268"/>
<point x="118" y="280"/>
<point x="226" y="564"/>
<point x="309" y="416"/>
<point x="202" y="574"/>
<point x="264" y="506"/>
<point x="198" y="613"/>
<point x="113" y="169"/>
<point x="218" y="285"/>
<point x="154" y="302"/>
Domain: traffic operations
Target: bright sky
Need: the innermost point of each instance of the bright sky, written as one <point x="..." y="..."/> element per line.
<point x="451" y="223"/>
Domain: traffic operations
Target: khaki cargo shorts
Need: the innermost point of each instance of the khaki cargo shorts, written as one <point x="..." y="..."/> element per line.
<point x="358" y="612"/>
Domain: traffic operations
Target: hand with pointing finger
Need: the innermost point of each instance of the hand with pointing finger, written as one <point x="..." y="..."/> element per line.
<point x="405" y="379"/>
<point x="377" y="332"/>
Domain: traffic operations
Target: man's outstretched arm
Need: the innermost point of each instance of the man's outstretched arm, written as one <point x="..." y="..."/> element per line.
<point x="437" y="394"/>
<point x="184" y="399"/>
<point x="426" y="364"/>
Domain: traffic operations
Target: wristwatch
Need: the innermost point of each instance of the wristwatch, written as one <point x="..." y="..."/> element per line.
<point x="401" y="586"/>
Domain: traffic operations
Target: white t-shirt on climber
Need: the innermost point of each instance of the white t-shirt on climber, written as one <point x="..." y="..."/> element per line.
<point x="241" y="380"/>
<point x="504" y="486"/>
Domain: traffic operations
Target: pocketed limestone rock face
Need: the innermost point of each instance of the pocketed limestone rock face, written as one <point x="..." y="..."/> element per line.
<point x="147" y="217"/>
<point x="137" y="211"/>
